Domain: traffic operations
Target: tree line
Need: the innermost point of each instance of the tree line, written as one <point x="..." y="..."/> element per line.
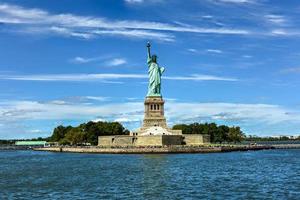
<point x="254" y="138"/>
<point x="90" y="131"/>
<point x="86" y="132"/>
<point x="218" y="134"/>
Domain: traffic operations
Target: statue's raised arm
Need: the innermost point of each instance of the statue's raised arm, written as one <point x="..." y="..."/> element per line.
<point x="148" y="52"/>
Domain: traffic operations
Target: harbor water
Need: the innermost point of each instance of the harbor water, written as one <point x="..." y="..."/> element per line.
<point x="268" y="174"/>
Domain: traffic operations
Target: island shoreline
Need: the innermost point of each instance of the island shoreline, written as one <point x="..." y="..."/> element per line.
<point x="154" y="150"/>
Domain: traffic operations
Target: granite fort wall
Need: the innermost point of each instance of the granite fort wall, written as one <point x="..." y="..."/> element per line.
<point x="206" y="138"/>
<point x="153" y="140"/>
<point x="172" y="140"/>
<point x="116" y="140"/>
<point x="195" y="139"/>
<point x="105" y="140"/>
<point x="149" y="140"/>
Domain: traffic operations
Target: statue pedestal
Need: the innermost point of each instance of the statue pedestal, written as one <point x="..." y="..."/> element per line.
<point x="154" y="122"/>
<point x="154" y="112"/>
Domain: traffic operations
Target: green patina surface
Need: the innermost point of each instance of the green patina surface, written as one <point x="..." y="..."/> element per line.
<point x="155" y="72"/>
<point x="30" y="143"/>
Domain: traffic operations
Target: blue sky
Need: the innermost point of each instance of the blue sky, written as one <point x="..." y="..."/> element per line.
<point x="233" y="62"/>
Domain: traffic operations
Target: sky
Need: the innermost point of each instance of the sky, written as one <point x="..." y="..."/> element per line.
<point x="232" y="62"/>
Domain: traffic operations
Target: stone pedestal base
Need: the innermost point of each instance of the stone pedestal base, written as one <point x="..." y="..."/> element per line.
<point x="154" y="113"/>
<point x="154" y="122"/>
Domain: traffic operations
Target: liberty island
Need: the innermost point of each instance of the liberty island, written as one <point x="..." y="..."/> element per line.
<point x="154" y="136"/>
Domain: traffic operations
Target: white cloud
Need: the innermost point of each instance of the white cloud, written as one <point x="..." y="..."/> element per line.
<point x="96" y="98"/>
<point x="134" y="1"/>
<point x="108" y="77"/>
<point x="87" y="27"/>
<point x="137" y="34"/>
<point x="78" y="99"/>
<point x="116" y="62"/>
<point x="199" y="77"/>
<point x="249" y="115"/>
<point x="276" y="19"/>
<point x="236" y="1"/>
<point x="214" y="51"/>
<point x="193" y="50"/>
<point x="207" y="16"/>
<point x="33" y="110"/>
<point x="73" y="77"/>
<point x="280" y="32"/>
<point x="98" y="120"/>
<point x="69" y="32"/>
<point x="35" y="131"/>
<point x="284" y="32"/>
<point x="127" y="119"/>
<point x="83" y="60"/>
<point x="80" y="60"/>
<point x="58" y="102"/>
<point x="266" y="113"/>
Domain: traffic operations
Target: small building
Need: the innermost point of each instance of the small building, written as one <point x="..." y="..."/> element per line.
<point x="31" y="143"/>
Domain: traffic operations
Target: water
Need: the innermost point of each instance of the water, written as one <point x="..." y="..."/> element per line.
<point x="272" y="174"/>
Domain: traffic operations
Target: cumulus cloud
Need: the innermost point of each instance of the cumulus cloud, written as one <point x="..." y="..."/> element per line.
<point x="131" y="113"/>
<point x="266" y="113"/>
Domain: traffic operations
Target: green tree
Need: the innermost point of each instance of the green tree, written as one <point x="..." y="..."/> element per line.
<point x="64" y="141"/>
<point x="218" y="134"/>
<point x="59" y="133"/>
<point x="87" y="132"/>
<point x="235" y="134"/>
<point x="221" y="134"/>
<point x="186" y="129"/>
<point x="76" y="136"/>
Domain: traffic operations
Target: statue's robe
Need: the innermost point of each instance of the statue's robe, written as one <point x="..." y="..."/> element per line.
<point x="155" y="73"/>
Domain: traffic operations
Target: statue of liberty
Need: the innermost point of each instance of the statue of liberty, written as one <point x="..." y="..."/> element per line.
<point x="155" y="72"/>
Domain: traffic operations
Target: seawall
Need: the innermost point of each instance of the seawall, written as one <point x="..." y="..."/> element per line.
<point x="154" y="150"/>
